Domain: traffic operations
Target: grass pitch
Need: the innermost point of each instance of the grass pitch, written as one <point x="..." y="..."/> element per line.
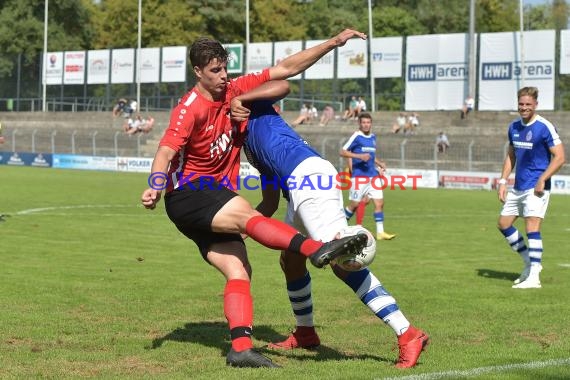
<point x="94" y="285"/>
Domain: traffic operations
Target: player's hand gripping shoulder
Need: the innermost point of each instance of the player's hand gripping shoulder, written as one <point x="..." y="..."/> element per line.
<point x="238" y="111"/>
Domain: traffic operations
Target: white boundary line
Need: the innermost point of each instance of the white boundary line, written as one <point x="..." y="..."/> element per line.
<point x="54" y="208"/>
<point x="482" y="370"/>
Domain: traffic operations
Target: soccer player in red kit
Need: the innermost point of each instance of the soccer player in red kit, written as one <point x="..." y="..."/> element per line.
<point x="197" y="162"/>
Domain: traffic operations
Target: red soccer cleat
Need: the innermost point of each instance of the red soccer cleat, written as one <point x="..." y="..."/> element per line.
<point x="302" y="337"/>
<point x="411" y="344"/>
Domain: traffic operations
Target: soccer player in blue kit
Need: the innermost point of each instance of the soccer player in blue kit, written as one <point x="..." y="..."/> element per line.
<point x="361" y="148"/>
<point x="280" y="154"/>
<point x="537" y="152"/>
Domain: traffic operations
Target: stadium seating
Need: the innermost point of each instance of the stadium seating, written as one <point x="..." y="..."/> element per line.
<point x="477" y="143"/>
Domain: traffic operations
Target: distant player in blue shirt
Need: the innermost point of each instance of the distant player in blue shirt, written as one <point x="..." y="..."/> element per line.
<point x="361" y="148"/>
<point x="537" y="153"/>
<point x="278" y="152"/>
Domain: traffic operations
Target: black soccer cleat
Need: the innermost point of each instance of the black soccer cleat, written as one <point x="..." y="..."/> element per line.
<point x="335" y="248"/>
<point x="249" y="358"/>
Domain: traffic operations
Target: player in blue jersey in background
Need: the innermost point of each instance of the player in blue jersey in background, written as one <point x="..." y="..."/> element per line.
<point x="361" y="148"/>
<point x="278" y="152"/>
<point x="537" y="152"/>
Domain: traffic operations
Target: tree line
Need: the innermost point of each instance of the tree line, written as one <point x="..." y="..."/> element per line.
<point x="111" y="24"/>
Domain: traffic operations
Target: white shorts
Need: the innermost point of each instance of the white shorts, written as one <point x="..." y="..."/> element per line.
<point x="372" y="189"/>
<point x="525" y="203"/>
<point x="319" y="213"/>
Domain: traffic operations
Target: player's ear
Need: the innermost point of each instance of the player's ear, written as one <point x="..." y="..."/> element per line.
<point x="198" y="72"/>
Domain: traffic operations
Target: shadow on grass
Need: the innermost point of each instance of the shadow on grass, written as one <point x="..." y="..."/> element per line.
<point x="497" y="275"/>
<point x="216" y="334"/>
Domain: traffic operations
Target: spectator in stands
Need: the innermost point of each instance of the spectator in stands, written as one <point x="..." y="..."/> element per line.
<point x="328" y="115"/>
<point x="313" y="114"/>
<point x="468" y="106"/>
<point x="350" y="112"/>
<point x="1" y="137"/>
<point x="138" y="124"/>
<point x="119" y="107"/>
<point x="303" y="116"/>
<point x="400" y="124"/>
<point x="412" y="124"/>
<point x="125" y="108"/>
<point x="360" y="106"/>
<point x="442" y="142"/>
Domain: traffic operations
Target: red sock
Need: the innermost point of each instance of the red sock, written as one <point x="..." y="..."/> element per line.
<point x="280" y="236"/>
<point x="360" y="210"/>
<point x="238" y="308"/>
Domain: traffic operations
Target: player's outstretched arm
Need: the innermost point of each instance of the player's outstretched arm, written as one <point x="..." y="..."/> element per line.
<point x="304" y="59"/>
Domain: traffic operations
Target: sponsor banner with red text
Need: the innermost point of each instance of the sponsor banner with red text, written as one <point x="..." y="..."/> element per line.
<point x="467" y="180"/>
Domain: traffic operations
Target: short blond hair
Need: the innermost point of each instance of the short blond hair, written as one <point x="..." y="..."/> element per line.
<point x="528" y="91"/>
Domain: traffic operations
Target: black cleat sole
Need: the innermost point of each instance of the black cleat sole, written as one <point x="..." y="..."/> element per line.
<point x="335" y="248"/>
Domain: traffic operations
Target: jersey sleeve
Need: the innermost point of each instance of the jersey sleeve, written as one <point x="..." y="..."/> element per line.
<point x="248" y="82"/>
<point x="179" y="128"/>
<point x="550" y="135"/>
<point x="349" y="145"/>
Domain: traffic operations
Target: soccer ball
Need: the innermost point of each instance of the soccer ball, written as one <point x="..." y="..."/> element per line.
<point x="353" y="263"/>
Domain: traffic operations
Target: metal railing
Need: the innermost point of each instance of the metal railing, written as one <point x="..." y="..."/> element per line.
<point x="95" y="143"/>
<point x="411" y="152"/>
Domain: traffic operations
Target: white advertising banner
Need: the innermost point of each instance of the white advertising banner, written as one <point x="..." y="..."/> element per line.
<point x="352" y="61"/>
<point x="134" y="164"/>
<point x="98" y="65"/>
<point x="54" y="68"/>
<point x="560" y="184"/>
<point x="74" y="67"/>
<point x="324" y="67"/>
<point x="259" y="56"/>
<point x="387" y="57"/>
<point x="501" y="73"/>
<point x="150" y="65"/>
<point x="283" y="49"/>
<point x="437" y="71"/>
<point x="174" y="64"/>
<point x="565" y="52"/>
<point x="123" y="65"/>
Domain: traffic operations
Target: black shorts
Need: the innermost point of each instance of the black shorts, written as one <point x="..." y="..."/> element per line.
<point x="192" y="211"/>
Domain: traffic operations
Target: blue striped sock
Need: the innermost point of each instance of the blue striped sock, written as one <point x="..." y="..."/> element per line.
<point x="371" y="292"/>
<point x="299" y="292"/>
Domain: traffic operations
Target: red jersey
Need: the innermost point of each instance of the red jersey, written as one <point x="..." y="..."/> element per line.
<point x="207" y="141"/>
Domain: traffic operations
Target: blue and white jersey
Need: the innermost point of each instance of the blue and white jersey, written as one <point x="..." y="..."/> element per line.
<point x="531" y="143"/>
<point x="271" y="146"/>
<point x="360" y="143"/>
